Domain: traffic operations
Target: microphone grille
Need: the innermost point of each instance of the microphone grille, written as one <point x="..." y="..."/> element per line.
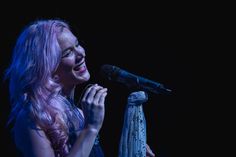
<point x="109" y="71"/>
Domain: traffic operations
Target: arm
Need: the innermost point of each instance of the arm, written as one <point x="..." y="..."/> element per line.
<point x="32" y="141"/>
<point x="93" y="111"/>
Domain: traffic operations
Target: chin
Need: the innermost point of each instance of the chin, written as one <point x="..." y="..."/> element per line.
<point x="82" y="78"/>
<point x="87" y="77"/>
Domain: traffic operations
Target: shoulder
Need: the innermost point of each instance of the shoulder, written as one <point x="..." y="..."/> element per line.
<point x="22" y="125"/>
<point x="29" y="137"/>
<point x="25" y="128"/>
<point x="23" y="120"/>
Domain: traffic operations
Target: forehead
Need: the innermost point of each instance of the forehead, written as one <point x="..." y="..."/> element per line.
<point x="66" y="38"/>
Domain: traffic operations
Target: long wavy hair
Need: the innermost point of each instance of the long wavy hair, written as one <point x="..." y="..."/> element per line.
<point x="36" y="57"/>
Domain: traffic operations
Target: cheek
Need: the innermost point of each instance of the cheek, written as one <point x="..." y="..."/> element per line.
<point x="65" y="66"/>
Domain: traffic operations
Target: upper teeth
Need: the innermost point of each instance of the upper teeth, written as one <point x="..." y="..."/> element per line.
<point x="81" y="63"/>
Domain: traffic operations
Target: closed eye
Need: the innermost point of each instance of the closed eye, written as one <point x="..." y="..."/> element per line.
<point x="67" y="52"/>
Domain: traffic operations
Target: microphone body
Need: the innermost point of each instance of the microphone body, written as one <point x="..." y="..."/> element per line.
<point x="114" y="73"/>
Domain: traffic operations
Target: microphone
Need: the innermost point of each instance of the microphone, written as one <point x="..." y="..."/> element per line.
<point x="114" y="73"/>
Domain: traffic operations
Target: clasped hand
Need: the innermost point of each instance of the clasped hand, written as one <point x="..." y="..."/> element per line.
<point x="93" y="106"/>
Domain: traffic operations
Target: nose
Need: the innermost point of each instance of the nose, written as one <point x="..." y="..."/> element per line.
<point x="80" y="52"/>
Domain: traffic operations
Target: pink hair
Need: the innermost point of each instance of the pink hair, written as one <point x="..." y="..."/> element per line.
<point x="36" y="56"/>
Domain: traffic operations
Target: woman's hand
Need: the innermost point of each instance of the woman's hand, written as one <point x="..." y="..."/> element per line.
<point x="149" y="152"/>
<point x="93" y="106"/>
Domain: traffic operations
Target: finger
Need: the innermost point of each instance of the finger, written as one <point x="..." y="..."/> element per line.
<point x="84" y="95"/>
<point x="98" y="95"/>
<point x="149" y="152"/>
<point x="102" y="98"/>
<point x="87" y="91"/>
<point x="85" y="100"/>
<point x="92" y="93"/>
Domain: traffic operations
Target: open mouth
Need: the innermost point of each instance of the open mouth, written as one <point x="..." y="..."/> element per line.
<point x="79" y="66"/>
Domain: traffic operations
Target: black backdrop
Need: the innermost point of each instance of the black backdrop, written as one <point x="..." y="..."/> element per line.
<point x="150" y="41"/>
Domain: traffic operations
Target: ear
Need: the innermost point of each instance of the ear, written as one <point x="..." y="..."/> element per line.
<point x="56" y="78"/>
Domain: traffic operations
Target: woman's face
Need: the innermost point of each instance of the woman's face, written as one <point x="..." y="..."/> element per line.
<point x="72" y="69"/>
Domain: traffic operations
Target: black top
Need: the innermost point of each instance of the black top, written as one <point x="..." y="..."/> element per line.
<point x="96" y="149"/>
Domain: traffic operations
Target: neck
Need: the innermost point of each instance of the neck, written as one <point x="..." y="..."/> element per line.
<point x="68" y="92"/>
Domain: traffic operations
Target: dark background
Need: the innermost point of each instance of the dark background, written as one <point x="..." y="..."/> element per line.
<point x="154" y="41"/>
